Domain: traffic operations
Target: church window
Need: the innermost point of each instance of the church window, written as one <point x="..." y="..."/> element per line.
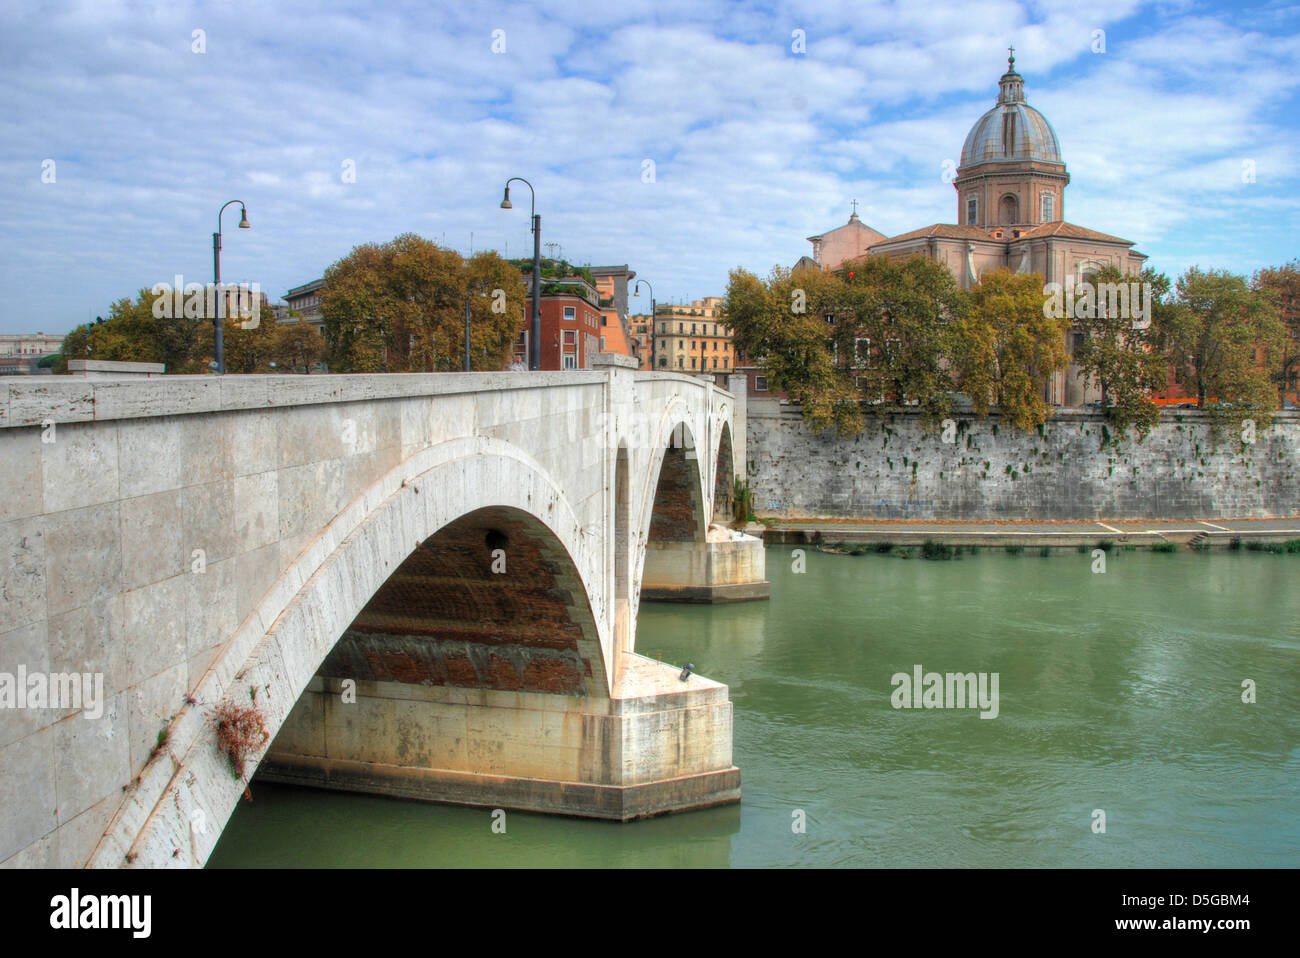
<point x="1008" y="209"/>
<point x="972" y="209"/>
<point x="1049" y="207"/>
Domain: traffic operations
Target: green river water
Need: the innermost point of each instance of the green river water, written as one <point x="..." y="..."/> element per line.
<point x="1119" y="691"/>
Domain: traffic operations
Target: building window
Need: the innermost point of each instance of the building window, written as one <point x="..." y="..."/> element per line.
<point x="570" y="339"/>
<point x="862" y="352"/>
<point x="680" y="362"/>
<point x="724" y="362"/>
<point x="663" y="362"/>
<point x="570" y="312"/>
<point x="1049" y="207"/>
<point x="602" y="344"/>
<point x="570" y="361"/>
<point x="692" y="362"/>
<point x="681" y="327"/>
<point x="602" y="320"/>
<point x="760" y="384"/>
<point x="830" y="319"/>
<point x="972" y="209"/>
<point x="715" y="362"/>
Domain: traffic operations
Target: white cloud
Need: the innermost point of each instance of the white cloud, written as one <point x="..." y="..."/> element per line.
<point x="755" y="146"/>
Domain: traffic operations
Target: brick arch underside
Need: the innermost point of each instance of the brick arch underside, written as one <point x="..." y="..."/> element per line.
<point x="321" y="595"/>
<point x="724" y="484"/>
<point x="490" y="601"/>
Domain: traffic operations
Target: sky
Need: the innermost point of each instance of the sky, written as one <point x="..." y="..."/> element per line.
<point x="684" y="139"/>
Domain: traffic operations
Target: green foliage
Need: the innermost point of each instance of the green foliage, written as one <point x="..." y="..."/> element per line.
<point x="1283" y="283"/>
<point x="791" y="344"/>
<point x="131" y="333"/>
<point x="1224" y="340"/>
<point x="904" y="310"/>
<point x="400" y="307"/>
<point x="1015" y="550"/>
<point x="1105" y="545"/>
<point x="1164" y="547"/>
<point x="552" y="269"/>
<point x="936" y="550"/>
<point x="1118" y="357"/>
<point x="744" y="506"/>
<point x="1006" y="348"/>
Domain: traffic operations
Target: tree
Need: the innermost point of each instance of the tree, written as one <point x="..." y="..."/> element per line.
<point x="895" y="329"/>
<point x="1223" y="339"/>
<point x="132" y="333"/>
<point x="780" y="324"/>
<point x="1006" y="347"/>
<point x="297" y="346"/>
<point x="400" y="307"/>
<point x="1284" y="282"/>
<point x="1117" y="354"/>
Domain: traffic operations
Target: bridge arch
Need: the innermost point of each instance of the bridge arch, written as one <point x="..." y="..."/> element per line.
<point x="186" y="794"/>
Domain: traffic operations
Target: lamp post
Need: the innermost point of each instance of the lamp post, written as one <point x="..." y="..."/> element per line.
<point x="220" y="356"/>
<point x="636" y="291"/>
<point x="535" y="337"/>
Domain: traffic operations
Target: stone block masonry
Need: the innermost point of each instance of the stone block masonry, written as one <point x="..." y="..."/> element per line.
<point x="990" y="470"/>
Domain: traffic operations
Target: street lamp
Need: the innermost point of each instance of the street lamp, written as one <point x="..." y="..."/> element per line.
<point x="220" y="357"/>
<point x="636" y="291"/>
<point x="535" y="337"/>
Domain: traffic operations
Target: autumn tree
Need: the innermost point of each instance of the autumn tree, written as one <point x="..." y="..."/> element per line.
<point x="133" y="333"/>
<point x="1117" y="354"/>
<point x="400" y="307"/>
<point x="297" y="346"/>
<point x="1284" y="282"/>
<point x="1223" y="339"/>
<point x="893" y="327"/>
<point x="780" y="324"/>
<point x="1006" y="347"/>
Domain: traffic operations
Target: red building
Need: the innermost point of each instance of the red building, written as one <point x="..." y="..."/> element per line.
<point x="571" y="327"/>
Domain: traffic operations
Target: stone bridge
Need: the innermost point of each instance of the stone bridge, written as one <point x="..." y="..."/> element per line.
<point x="421" y="585"/>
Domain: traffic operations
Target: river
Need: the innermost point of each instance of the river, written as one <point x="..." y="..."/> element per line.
<point x="1119" y="691"/>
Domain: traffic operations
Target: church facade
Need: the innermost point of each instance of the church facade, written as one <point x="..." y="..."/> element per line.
<point x="1010" y="214"/>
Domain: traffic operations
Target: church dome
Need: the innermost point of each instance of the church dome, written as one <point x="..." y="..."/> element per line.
<point x="1011" y="131"/>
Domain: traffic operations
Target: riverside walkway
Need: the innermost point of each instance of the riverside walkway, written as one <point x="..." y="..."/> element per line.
<point x="1212" y="533"/>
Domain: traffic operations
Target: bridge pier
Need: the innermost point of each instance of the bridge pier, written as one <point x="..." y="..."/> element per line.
<point x="728" y="567"/>
<point x="657" y="745"/>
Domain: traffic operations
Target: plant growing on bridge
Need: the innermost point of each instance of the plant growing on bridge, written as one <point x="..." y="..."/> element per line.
<point x="241" y="732"/>
<point x="744" y="503"/>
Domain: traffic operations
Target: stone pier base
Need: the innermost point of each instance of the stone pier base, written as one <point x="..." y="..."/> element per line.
<point x="724" y="569"/>
<point x="660" y="745"/>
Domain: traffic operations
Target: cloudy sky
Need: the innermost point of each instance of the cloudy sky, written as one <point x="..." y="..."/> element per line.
<point x="754" y="144"/>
